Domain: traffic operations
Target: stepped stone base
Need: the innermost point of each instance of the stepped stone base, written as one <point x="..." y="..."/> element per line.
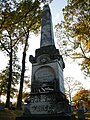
<point x="46" y="117"/>
<point x="47" y="106"/>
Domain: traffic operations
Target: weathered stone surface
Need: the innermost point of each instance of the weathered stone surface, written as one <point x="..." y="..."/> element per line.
<point x="47" y="75"/>
<point x="62" y="116"/>
<point x="47" y="37"/>
<point x="48" y="103"/>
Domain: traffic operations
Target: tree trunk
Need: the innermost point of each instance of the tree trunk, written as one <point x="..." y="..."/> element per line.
<point x="0" y="98"/>
<point x="9" y="80"/>
<point x="1" y="94"/>
<point x="19" y="99"/>
<point x="70" y="99"/>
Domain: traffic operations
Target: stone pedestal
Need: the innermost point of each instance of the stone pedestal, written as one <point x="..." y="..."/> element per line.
<point x="46" y="106"/>
<point x="48" y="103"/>
<point x="46" y="117"/>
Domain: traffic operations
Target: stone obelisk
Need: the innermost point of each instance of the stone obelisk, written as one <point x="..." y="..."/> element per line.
<point x="48" y="57"/>
<point x="47" y="98"/>
<point x="47" y="37"/>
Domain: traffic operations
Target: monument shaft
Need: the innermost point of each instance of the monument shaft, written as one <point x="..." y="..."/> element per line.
<point x="47" y="37"/>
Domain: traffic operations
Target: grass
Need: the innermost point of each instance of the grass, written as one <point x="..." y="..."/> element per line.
<point x="9" y="114"/>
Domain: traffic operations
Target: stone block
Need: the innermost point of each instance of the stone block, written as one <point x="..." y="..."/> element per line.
<point x="62" y="116"/>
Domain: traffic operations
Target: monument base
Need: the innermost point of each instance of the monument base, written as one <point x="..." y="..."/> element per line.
<point x="47" y="106"/>
<point x="61" y="116"/>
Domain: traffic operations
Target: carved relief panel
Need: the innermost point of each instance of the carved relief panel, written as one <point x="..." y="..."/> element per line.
<point x="44" y="77"/>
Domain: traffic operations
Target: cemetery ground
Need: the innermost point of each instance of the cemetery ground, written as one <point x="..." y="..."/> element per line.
<point x="9" y="114"/>
<point x="87" y="115"/>
<point x="12" y="114"/>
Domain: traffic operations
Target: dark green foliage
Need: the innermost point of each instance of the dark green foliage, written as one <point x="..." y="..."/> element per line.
<point x="4" y="80"/>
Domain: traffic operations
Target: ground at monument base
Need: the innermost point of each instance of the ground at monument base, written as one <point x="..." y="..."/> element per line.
<point x="46" y="117"/>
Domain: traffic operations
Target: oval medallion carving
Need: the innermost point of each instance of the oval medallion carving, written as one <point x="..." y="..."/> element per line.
<point x="44" y="74"/>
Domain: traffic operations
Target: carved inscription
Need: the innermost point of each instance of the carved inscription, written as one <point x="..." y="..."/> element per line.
<point x="42" y="98"/>
<point x="47" y="108"/>
<point x="42" y="104"/>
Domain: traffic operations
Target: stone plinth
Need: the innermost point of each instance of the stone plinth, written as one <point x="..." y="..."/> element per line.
<point x="47" y="103"/>
<point x="61" y="116"/>
<point x="46" y="106"/>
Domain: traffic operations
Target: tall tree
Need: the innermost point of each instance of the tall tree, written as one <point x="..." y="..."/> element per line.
<point x="30" y="23"/>
<point x="15" y="29"/>
<point x="76" y="29"/>
<point x="9" y="37"/>
<point x="71" y="86"/>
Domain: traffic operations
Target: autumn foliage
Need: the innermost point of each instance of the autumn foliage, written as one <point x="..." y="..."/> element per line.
<point x="82" y="96"/>
<point x="75" y="31"/>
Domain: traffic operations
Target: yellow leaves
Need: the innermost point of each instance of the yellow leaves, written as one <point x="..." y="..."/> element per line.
<point x="65" y="26"/>
<point x="86" y="66"/>
<point x="77" y="55"/>
<point x="86" y="61"/>
<point x="82" y="95"/>
<point x="88" y="44"/>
